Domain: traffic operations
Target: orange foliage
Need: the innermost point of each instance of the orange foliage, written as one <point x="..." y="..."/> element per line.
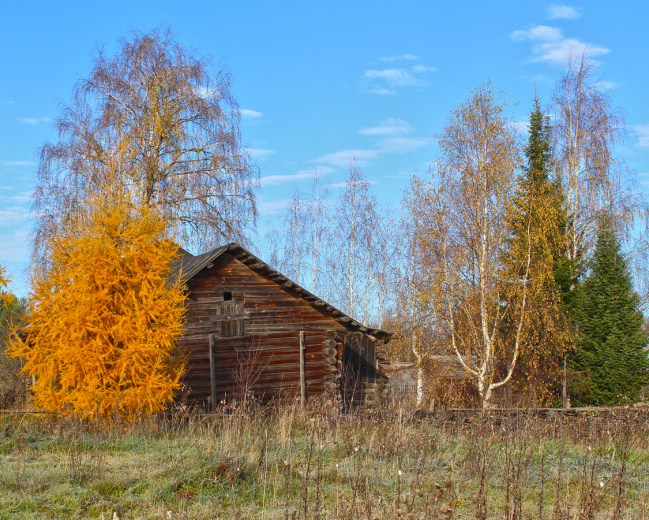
<point x="104" y="318"/>
<point x="5" y="297"/>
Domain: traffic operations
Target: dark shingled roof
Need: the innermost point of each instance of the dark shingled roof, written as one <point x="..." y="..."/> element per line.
<point x="188" y="266"/>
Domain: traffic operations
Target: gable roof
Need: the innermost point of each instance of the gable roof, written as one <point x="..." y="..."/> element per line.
<point x="188" y="266"/>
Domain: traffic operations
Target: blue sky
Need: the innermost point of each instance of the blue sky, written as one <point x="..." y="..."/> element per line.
<point x="319" y="82"/>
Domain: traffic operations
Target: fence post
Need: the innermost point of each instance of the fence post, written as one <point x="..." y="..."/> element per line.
<point x="213" y="371"/>
<point x="302" y="373"/>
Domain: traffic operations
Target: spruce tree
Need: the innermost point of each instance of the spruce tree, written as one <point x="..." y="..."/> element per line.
<point x="611" y="351"/>
<point x="537" y="223"/>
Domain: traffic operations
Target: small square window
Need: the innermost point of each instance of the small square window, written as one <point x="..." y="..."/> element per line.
<point x="227" y="296"/>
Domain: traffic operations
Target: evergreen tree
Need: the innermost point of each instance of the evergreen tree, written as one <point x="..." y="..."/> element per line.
<point x="537" y="223"/>
<point x="13" y="385"/>
<point x="611" y="335"/>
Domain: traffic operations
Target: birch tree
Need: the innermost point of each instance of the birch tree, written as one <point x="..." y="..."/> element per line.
<point x="351" y="240"/>
<point x="413" y="309"/>
<point x="298" y="243"/>
<point x="163" y="125"/>
<point x="385" y="255"/>
<point x="462" y="210"/>
<point x="296" y="229"/>
<point x="586" y="130"/>
<point x="318" y="216"/>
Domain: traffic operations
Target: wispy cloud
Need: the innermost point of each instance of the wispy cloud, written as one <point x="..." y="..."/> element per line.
<point x="392" y="137"/>
<point x="395" y="77"/>
<point x="539" y="78"/>
<point x="204" y="92"/>
<point x="274" y="180"/>
<point x="390" y="126"/>
<point x="20" y="198"/>
<point x="343" y="158"/>
<point x="12" y="216"/>
<point x="608" y="85"/>
<point x="388" y="81"/>
<point x="272" y="207"/>
<point x="549" y="45"/>
<point x="400" y="57"/>
<point x="17" y="163"/>
<point x="522" y="127"/>
<point x="540" y="32"/>
<point x="260" y="153"/>
<point x="14" y="211"/>
<point x="250" y="114"/>
<point x="32" y="121"/>
<point x="403" y="144"/>
<point x="642" y="133"/>
<point x="562" y="12"/>
<point x="14" y="248"/>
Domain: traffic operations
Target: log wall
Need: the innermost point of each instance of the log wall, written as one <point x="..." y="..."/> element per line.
<point x="255" y="326"/>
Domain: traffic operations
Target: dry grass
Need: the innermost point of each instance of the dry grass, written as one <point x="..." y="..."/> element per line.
<point x="268" y="464"/>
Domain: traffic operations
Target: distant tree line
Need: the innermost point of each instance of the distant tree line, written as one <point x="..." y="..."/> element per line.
<point x="497" y="251"/>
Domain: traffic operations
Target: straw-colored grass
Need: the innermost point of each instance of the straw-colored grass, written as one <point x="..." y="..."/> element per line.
<point x="267" y="464"/>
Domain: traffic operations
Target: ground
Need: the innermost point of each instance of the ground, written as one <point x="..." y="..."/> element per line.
<point x="285" y="463"/>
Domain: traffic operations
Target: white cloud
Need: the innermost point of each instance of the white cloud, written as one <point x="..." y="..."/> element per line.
<point x="540" y="32"/>
<point x="12" y="216"/>
<point x="642" y="132"/>
<point x="394" y="77"/>
<point x="271" y="208"/>
<point x="260" y="153"/>
<point x="551" y="46"/>
<point x="336" y="185"/>
<point x="565" y="12"/>
<point x="608" y="85"/>
<point x="381" y="91"/>
<point x="204" y="92"/>
<point x="423" y="68"/>
<point x="401" y="57"/>
<point x="522" y="127"/>
<point x="392" y="137"/>
<point x="34" y="120"/>
<point x="19" y="198"/>
<point x="403" y="144"/>
<point x="387" y="81"/>
<point x="390" y="126"/>
<point x="274" y="180"/>
<point x="539" y="78"/>
<point x="559" y="53"/>
<point x="343" y="158"/>
<point x="17" y="163"/>
<point x="250" y="114"/>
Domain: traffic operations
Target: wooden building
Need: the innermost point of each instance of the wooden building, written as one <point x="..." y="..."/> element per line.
<point x="250" y="331"/>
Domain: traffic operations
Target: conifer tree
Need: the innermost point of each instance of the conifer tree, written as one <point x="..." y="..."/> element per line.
<point x="13" y="385"/>
<point x="537" y="223"/>
<point x="104" y="318"/>
<point x="612" y="341"/>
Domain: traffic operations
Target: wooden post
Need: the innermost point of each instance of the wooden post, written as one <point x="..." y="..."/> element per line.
<point x="302" y="373"/>
<point x="213" y="371"/>
<point x="564" y="386"/>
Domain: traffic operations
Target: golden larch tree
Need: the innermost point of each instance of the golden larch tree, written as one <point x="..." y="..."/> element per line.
<point x="104" y="316"/>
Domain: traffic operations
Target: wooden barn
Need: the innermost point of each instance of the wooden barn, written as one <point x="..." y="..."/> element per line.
<point x="252" y="333"/>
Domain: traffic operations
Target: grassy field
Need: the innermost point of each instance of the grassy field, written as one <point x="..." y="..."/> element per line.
<point x="267" y="464"/>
